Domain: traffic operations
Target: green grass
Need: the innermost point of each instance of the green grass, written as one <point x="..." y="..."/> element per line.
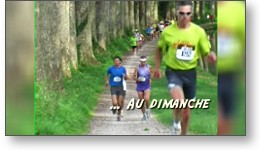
<point x="202" y="121"/>
<point x="70" y="112"/>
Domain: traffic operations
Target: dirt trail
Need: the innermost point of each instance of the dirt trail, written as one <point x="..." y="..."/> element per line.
<point x="105" y="123"/>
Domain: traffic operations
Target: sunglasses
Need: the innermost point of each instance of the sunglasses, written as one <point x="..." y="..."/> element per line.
<point x="183" y="13"/>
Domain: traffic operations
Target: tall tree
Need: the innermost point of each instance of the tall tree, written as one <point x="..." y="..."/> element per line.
<point x="131" y="15"/>
<point x="102" y="23"/>
<point x="142" y="14"/>
<point x="113" y="9"/>
<point x="72" y="37"/>
<point x="152" y="19"/>
<point x="155" y="12"/>
<point x="93" y="26"/>
<point x="64" y="26"/>
<point x="163" y="8"/>
<point x="136" y="14"/>
<point x="51" y="35"/>
<point x="195" y="13"/>
<point x="197" y="10"/>
<point x="85" y="17"/>
<point x="126" y="12"/>
<point x="169" y="13"/>
<point x="120" y="17"/>
<point x="148" y="19"/>
<point x="202" y="9"/>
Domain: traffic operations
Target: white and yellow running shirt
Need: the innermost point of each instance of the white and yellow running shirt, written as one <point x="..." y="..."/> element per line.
<point x="183" y="46"/>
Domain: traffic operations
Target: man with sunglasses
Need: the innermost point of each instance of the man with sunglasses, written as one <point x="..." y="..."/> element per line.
<point x="181" y="43"/>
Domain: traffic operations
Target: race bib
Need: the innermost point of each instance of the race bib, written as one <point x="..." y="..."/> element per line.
<point x="117" y="79"/>
<point x="185" y="53"/>
<point x="141" y="78"/>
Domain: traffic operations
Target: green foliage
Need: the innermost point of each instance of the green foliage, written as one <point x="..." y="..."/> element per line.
<point x="116" y="47"/>
<point x="69" y="112"/>
<point x="128" y="33"/>
<point x="162" y="9"/>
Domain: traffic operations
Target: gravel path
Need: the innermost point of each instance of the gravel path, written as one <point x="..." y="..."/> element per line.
<point x="105" y="123"/>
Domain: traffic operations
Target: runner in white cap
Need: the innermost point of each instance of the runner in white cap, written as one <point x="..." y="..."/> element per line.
<point x="143" y="78"/>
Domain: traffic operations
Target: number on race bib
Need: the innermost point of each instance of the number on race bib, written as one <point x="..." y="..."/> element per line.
<point x="185" y="53"/>
<point x="117" y="79"/>
<point x="141" y="78"/>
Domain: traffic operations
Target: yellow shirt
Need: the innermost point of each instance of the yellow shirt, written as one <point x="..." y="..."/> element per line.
<point x="182" y="47"/>
<point x="133" y="41"/>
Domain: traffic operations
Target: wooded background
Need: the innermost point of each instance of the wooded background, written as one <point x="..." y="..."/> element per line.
<point x="74" y="45"/>
<point x="66" y="30"/>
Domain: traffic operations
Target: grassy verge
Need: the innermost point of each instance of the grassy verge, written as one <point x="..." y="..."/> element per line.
<point x="69" y="112"/>
<point x="202" y="121"/>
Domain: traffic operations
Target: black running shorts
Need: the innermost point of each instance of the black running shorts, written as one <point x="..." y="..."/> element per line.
<point x="116" y="90"/>
<point x="183" y="78"/>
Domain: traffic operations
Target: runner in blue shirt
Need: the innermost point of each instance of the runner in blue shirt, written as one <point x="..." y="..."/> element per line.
<point x="114" y="77"/>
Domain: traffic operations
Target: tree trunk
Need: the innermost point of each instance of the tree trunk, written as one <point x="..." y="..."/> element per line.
<point x="195" y="16"/>
<point x="152" y="20"/>
<point x="112" y="19"/>
<point x="81" y="15"/>
<point x="148" y="19"/>
<point x="102" y="23"/>
<point x="120" y="18"/>
<point x="64" y="24"/>
<point x="142" y="14"/>
<point x="197" y="10"/>
<point x="136" y="15"/>
<point x="201" y="9"/>
<point x="72" y="37"/>
<point x="169" y="13"/>
<point x="126" y="15"/>
<point x="155" y="8"/>
<point x="84" y="41"/>
<point x="174" y="11"/>
<point x="51" y="35"/>
<point x="93" y="26"/>
<point x="163" y="7"/>
<point x="131" y="13"/>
